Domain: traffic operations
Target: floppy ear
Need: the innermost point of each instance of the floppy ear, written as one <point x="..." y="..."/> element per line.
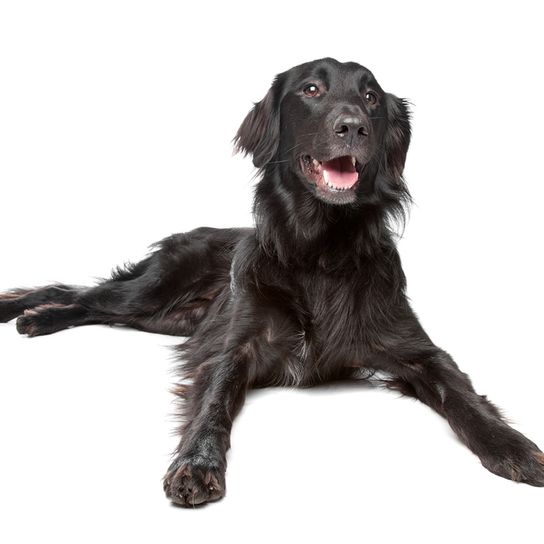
<point x="259" y="133"/>
<point x="397" y="136"/>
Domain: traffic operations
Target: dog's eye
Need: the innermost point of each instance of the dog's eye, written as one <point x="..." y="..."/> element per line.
<point x="311" y="90"/>
<point x="371" y="97"/>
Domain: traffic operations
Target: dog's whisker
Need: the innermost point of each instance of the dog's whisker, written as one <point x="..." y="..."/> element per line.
<point x="294" y="147"/>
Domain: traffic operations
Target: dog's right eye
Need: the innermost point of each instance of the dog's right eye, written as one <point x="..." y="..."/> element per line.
<point x="311" y="90"/>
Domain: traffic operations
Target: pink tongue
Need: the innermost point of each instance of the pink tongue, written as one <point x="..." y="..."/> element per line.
<point x="340" y="173"/>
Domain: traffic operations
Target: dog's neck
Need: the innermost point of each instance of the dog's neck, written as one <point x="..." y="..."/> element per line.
<point x="295" y="228"/>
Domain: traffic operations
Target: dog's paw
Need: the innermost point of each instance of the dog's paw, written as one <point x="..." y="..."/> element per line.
<point x="192" y="483"/>
<point x="515" y="457"/>
<point x="38" y="321"/>
<point x="27" y="324"/>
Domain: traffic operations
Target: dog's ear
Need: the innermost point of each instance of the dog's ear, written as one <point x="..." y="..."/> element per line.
<point x="259" y="133"/>
<point x="397" y="136"/>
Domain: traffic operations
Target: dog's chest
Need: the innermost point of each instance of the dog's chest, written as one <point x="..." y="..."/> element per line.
<point x="333" y="324"/>
<point x="321" y="325"/>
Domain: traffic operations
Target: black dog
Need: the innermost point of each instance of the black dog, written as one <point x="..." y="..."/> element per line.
<point x="314" y="293"/>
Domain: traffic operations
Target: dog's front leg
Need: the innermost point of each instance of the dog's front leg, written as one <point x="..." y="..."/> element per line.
<point x="197" y="474"/>
<point x="434" y="378"/>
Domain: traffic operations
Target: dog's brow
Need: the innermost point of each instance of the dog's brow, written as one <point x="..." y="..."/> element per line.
<point x="323" y="75"/>
<point x="316" y="74"/>
<point x="365" y="79"/>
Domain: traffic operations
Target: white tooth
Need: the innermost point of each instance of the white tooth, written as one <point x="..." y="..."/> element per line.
<point x="353" y="161"/>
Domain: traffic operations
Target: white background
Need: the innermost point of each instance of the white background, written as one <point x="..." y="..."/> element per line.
<point x="115" y="126"/>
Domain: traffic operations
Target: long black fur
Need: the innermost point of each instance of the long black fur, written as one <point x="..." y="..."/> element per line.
<point x="314" y="293"/>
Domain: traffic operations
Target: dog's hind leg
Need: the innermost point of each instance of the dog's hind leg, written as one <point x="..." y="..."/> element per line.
<point x="124" y="299"/>
<point x="168" y="292"/>
<point x="13" y="303"/>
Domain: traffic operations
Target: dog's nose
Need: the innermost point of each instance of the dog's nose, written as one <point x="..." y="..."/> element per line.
<point x="351" y="126"/>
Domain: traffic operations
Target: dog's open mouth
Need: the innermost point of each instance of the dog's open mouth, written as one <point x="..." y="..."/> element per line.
<point x="334" y="177"/>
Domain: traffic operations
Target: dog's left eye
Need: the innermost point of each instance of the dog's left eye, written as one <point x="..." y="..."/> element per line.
<point x="311" y="90"/>
<point x="371" y="97"/>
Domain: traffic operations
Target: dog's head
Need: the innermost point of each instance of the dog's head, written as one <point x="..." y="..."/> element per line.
<point x="333" y="126"/>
